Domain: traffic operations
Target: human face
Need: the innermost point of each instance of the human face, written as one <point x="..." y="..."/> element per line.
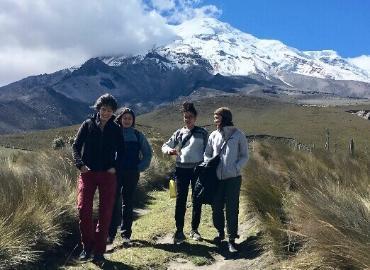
<point x="217" y="119"/>
<point x="189" y="119"/>
<point x="105" y="113"/>
<point x="127" y="120"/>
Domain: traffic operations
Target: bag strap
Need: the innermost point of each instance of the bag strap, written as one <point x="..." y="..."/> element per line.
<point x="225" y="142"/>
<point x="185" y="140"/>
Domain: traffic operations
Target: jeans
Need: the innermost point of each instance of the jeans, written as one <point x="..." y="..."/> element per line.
<point x="227" y="194"/>
<point x="123" y="208"/>
<point x="185" y="176"/>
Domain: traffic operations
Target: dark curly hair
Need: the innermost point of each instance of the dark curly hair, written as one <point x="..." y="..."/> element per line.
<point x="189" y="107"/>
<point x="106" y="100"/>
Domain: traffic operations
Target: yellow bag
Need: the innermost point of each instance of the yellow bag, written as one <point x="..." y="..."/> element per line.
<point x="172" y="188"/>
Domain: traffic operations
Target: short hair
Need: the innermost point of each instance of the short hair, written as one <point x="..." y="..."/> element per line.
<point x="106" y="100"/>
<point x="189" y="107"/>
<point x="227" y="117"/>
<point x="121" y="113"/>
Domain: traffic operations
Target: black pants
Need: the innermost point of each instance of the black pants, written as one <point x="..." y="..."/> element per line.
<point x="185" y="176"/>
<point x="123" y="207"/>
<point x="227" y="194"/>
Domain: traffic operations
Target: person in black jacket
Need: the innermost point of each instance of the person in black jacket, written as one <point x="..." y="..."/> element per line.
<point x="98" y="143"/>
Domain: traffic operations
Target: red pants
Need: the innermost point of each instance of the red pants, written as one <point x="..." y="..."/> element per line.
<point x="93" y="237"/>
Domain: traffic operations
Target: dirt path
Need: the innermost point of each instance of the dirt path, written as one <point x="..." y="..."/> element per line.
<point x="250" y="255"/>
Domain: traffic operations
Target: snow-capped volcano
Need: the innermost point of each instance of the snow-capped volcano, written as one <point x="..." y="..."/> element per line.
<point x="229" y="51"/>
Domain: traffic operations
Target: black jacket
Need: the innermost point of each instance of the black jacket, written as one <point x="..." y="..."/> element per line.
<point x="99" y="150"/>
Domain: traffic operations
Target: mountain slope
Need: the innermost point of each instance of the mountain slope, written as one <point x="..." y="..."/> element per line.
<point x="207" y="58"/>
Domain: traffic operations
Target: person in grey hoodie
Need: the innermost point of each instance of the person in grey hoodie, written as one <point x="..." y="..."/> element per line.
<point x="188" y="144"/>
<point x="233" y="157"/>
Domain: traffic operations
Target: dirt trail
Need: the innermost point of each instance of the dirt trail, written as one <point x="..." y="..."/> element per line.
<point x="250" y="255"/>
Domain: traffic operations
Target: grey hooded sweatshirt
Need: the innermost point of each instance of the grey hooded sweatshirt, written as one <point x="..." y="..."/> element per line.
<point x="234" y="155"/>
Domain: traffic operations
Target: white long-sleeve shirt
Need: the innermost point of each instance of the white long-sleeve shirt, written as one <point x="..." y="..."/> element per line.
<point x="191" y="154"/>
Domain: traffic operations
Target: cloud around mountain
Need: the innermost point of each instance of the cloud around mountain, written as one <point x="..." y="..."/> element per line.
<point x="362" y="61"/>
<point x="44" y="36"/>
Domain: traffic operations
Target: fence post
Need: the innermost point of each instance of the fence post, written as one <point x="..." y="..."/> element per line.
<point x="327" y="140"/>
<point x="352" y="147"/>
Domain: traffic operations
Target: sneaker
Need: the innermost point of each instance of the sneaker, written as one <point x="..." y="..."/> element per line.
<point x="85" y="255"/>
<point x="178" y="237"/>
<point x="98" y="259"/>
<point x="232" y="246"/>
<point x="195" y="235"/>
<point x="218" y="239"/>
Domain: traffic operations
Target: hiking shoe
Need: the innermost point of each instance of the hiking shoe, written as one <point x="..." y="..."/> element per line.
<point x="98" y="259"/>
<point x="218" y="239"/>
<point x="195" y="235"/>
<point x="178" y="237"/>
<point x="232" y="246"/>
<point x="84" y="256"/>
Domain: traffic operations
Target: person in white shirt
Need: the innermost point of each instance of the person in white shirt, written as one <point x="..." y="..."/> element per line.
<point x="188" y="144"/>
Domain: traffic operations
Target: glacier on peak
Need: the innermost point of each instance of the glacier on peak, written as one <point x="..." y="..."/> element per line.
<point x="229" y="51"/>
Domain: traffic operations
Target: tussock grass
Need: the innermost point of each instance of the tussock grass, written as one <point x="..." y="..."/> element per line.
<point x="314" y="207"/>
<point x="37" y="199"/>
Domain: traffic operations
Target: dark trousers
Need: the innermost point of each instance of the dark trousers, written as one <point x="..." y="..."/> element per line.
<point x="227" y="194"/>
<point x="185" y="176"/>
<point x="122" y="214"/>
<point x="93" y="237"/>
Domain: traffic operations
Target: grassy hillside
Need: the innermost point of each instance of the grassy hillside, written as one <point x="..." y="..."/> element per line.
<point x="253" y="115"/>
<point x="261" y="116"/>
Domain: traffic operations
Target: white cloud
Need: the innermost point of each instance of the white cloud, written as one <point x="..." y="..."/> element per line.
<point x="43" y="36"/>
<point x="163" y="5"/>
<point x="178" y="11"/>
<point x="362" y="61"/>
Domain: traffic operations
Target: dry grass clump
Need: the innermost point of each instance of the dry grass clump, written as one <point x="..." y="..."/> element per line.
<point x="314" y="207"/>
<point x="37" y="202"/>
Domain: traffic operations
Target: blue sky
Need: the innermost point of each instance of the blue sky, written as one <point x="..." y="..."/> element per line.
<point x="341" y="25"/>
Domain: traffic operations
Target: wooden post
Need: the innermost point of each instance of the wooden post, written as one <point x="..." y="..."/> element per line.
<point x="352" y="147"/>
<point x="327" y="140"/>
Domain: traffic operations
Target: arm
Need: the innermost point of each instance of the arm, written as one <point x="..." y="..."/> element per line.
<point x="208" y="152"/>
<point x="205" y="139"/>
<point x="78" y="143"/>
<point x="120" y="148"/>
<point x="243" y="151"/>
<point x="146" y="151"/>
<point x="168" y="147"/>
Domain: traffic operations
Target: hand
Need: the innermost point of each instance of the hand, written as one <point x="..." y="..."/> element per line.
<point x="173" y="152"/>
<point x="84" y="169"/>
<point x="112" y="170"/>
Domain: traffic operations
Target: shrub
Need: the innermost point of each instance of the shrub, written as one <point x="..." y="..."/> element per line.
<point x="58" y="143"/>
